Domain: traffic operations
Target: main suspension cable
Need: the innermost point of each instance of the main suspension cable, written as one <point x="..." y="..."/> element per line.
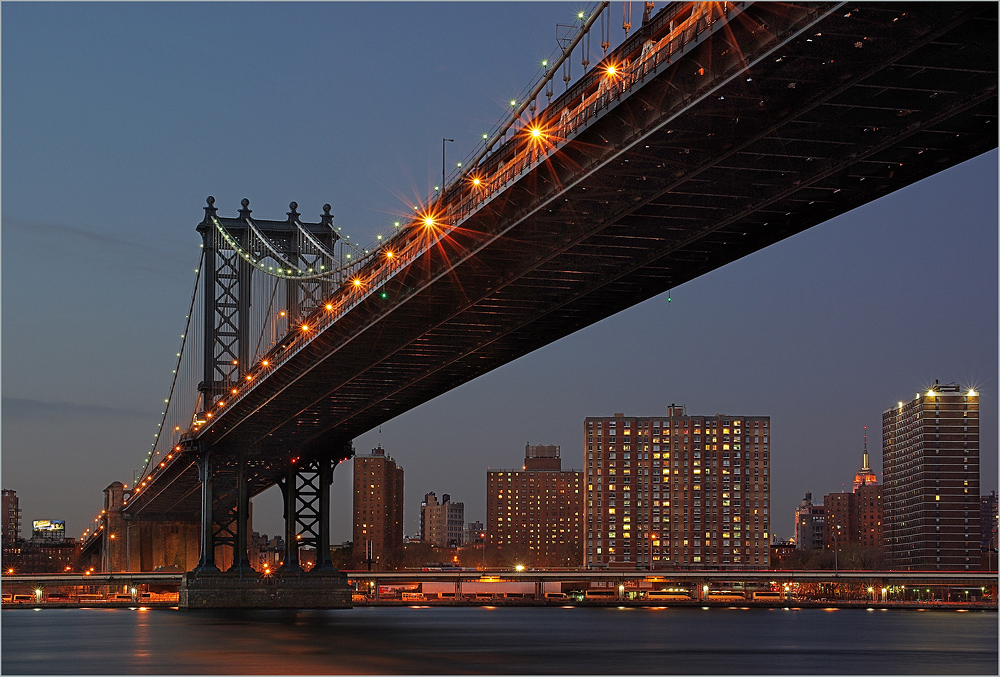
<point x="177" y="367"/>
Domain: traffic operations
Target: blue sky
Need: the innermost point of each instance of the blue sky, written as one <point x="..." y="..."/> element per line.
<point x="118" y="119"/>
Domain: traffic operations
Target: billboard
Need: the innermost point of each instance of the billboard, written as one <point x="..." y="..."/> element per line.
<point x="49" y="525"/>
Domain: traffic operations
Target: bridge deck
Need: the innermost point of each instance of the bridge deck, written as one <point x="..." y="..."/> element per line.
<point x="776" y="120"/>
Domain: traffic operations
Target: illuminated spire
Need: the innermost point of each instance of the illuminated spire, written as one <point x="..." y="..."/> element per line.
<point x="864" y="462"/>
<point x="865" y="475"/>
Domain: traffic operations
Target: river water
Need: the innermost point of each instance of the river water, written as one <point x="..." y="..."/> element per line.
<point x="518" y="640"/>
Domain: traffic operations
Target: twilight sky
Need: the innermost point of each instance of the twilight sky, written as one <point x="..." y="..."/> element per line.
<point x="119" y="118"/>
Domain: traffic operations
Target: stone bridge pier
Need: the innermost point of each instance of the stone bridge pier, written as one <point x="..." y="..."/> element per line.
<point x="148" y="543"/>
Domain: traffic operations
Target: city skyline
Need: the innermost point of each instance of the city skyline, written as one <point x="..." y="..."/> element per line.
<point x="828" y="328"/>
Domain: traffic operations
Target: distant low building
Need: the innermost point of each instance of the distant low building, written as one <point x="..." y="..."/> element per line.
<point x="475" y="532"/>
<point x="257" y="550"/>
<point x="442" y="524"/>
<point x="810" y="519"/>
<point x="780" y="552"/>
<point x="47" y="551"/>
<point x="11" y="515"/>
<point x="47" y="556"/>
<point x="988" y="522"/>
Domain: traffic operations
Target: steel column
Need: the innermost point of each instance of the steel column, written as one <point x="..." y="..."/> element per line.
<point x="207" y="560"/>
<point x="207" y="230"/>
<point x="293" y="288"/>
<point x="291" y="563"/>
<point x="241" y="562"/>
<point x="244" y="291"/>
<point x="323" y="561"/>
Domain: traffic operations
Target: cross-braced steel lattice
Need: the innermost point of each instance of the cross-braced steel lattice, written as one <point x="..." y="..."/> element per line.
<point x="299" y="257"/>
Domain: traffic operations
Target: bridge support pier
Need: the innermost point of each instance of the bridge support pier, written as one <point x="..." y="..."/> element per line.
<point x="306" y="490"/>
<point x="114" y="553"/>
<point x="222" y="591"/>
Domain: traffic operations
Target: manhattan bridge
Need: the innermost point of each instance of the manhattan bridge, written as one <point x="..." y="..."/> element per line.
<point x="713" y="130"/>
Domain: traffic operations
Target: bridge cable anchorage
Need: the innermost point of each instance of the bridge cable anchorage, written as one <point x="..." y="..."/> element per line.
<point x="523" y="105"/>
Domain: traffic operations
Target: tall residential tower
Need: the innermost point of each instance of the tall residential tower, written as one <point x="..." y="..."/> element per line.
<point x="378" y="506"/>
<point x="930" y="464"/>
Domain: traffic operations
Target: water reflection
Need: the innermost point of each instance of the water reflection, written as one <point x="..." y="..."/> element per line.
<point x="566" y="640"/>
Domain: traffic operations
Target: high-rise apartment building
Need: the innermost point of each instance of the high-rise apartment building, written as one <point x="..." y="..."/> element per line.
<point x="378" y="506"/>
<point x="677" y="491"/>
<point x="810" y="524"/>
<point x="11" y="516"/>
<point x="442" y="524"/>
<point x="930" y="463"/>
<point x="536" y="513"/>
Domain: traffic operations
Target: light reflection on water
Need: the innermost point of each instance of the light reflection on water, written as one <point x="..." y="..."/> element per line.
<point x="526" y="640"/>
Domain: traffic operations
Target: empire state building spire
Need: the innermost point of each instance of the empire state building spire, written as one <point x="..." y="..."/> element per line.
<point x="865" y="475"/>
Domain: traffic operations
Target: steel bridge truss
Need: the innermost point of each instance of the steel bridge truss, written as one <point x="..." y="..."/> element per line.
<point x="227" y="485"/>
<point x="281" y="251"/>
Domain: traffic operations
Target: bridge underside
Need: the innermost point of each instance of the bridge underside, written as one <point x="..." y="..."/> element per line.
<point x="779" y="119"/>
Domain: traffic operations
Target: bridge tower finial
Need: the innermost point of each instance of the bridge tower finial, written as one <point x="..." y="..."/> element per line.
<point x="210" y="210"/>
<point x="326" y="218"/>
